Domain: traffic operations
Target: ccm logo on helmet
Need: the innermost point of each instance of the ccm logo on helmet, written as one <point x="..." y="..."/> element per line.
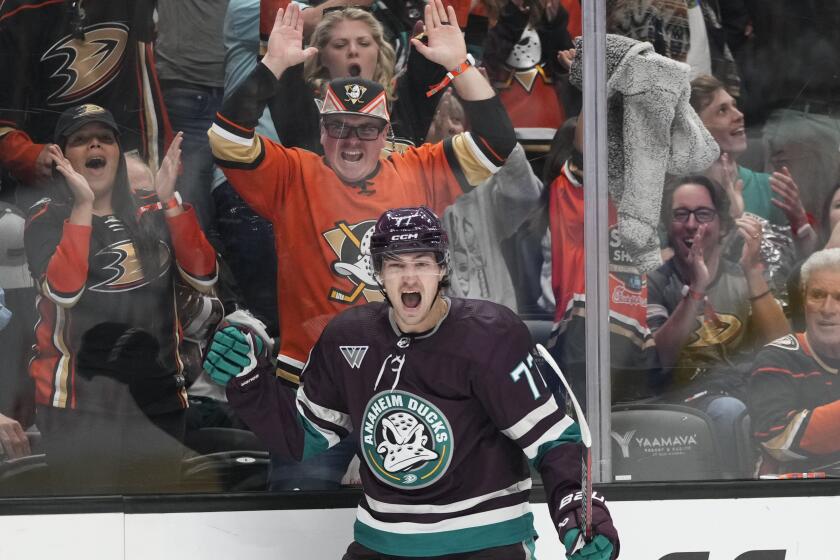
<point x="404" y="236"/>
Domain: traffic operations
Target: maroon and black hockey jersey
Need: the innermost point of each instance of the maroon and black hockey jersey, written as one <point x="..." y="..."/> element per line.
<point x="104" y="324"/>
<point x="446" y="423"/>
<point x="47" y="67"/>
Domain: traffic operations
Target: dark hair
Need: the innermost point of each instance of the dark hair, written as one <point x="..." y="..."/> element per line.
<point x="825" y="222"/>
<point x="145" y="233"/>
<point x="703" y="89"/>
<point x="720" y="200"/>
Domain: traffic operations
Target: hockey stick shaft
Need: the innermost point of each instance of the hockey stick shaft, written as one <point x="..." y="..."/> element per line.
<point x="586" y="437"/>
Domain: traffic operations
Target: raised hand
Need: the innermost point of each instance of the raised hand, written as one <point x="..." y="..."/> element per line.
<point x="750" y="229"/>
<point x="725" y="172"/>
<point x="701" y="276"/>
<point x="788" y="198"/>
<point x="285" y="44"/>
<point x="168" y="172"/>
<point x="446" y="44"/>
<point x="82" y="193"/>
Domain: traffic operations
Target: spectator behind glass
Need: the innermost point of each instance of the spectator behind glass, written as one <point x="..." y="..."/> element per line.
<point x="41" y="42"/>
<point x="794" y="399"/>
<point x="774" y="197"/>
<point x="17" y="307"/>
<point x="708" y="314"/>
<point x="520" y="54"/>
<point x="793" y="80"/>
<point x="199" y="313"/>
<point x="190" y="64"/>
<point x="109" y="386"/>
<point x="480" y="221"/>
<point x="323" y="208"/>
<point x="246" y="238"/>
<point x="351" y="42"/>
<point x="632" y="354"/>
<point x="830" y="236"/>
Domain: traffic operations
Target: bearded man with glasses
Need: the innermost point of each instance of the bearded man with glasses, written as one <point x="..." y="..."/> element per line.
<point x="709" y="315"/>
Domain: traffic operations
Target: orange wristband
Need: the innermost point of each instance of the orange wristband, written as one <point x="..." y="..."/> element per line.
<point x="470" y="61"/>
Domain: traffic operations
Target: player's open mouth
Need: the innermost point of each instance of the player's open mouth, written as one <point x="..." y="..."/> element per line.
<point x="354" y="70"/>
<point x="411" y="299"/>
<point x="738" y="131"/>
<point x="353" y="156"/>
<point x="96" y="162"/>
<point x="689" y="242"/>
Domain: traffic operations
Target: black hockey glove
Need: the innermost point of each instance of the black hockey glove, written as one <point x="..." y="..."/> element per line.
<point x="604" y="544"/>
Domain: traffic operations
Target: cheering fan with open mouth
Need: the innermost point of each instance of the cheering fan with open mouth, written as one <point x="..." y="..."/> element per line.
<point x="110" y="407"/>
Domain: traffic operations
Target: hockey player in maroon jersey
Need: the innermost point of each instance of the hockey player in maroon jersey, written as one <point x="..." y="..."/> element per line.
<point x="108" y="377"/>
<point x="447" y="405"/>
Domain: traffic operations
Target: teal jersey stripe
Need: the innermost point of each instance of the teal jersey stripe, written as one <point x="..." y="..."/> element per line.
<point x="313" y="442"/>
<point x="570" y="435"/>
<point x="447" y="542"/>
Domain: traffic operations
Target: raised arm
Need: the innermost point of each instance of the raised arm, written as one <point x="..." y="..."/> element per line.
<point x="446" y="47"/>
<point x="195" y="256"/>
<point x="58" y="246"/>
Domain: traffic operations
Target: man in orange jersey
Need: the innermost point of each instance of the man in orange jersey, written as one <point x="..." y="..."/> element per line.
<point x="323" y="208"/>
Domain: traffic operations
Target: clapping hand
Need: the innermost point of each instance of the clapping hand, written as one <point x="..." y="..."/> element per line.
<point x="169" y="167"/>
<point x="788" y="199"/>
<point x="750" y="229"/>
<point x="82" y="193"/>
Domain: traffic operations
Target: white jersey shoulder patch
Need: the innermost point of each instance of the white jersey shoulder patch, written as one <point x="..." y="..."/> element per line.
<point x="787" y="342"/>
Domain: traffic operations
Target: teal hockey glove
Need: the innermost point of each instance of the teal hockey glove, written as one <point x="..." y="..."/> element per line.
<point x="234" y="351"/>
<point x="599" y="548"/>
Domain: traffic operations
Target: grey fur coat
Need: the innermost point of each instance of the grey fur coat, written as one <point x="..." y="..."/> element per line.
<point x="651" y="131"/>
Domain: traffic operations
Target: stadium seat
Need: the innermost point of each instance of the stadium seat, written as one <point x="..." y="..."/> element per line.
<point x="663" y="442"/>
<point x="226" y="471"/>
<point x="540" y="329"/>
<point x="214" y="440"/>
<point x="748" y="449"/>
<point x="27" y="476"/>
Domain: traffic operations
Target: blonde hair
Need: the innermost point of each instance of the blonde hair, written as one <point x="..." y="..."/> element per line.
<point x="317" y="74"/>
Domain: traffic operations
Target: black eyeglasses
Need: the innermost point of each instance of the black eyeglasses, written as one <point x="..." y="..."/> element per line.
<point x="704" y="215"/>
<point x="340" y="130"/>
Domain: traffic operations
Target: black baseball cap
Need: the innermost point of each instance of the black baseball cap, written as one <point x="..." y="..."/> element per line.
<point x="76" y="117"/>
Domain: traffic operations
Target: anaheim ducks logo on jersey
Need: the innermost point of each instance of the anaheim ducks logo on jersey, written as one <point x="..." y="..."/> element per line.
<point x="351" y="244"/>
<point x="119" y="265"/>
<point x="723" y="330"/>
<point x="406" y="440"/>
<point x="85" y="67"/>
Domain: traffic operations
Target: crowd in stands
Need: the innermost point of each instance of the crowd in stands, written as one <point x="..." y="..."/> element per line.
<point x="168" y="167"/>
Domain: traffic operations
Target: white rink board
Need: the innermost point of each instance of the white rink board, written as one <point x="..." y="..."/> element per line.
<point x="89" y="536"/>
<point x="653" y="530"/>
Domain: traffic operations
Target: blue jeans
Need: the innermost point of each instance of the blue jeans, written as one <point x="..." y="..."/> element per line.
<point x="191" y="111"/>
<point x="725" y="411"/>
<point x="247" y="245"/>
<point x="321" y="472"/>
